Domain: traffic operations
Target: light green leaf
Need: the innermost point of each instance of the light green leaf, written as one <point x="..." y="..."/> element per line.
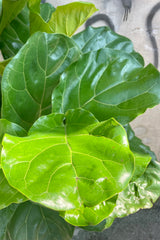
<point x="93" y="39"/>
<point x="10" y="9"/>
<point x="29" y="221"/>
<point x="8" y="194"/>
<point x="111" y="129"/>
<point x="15" y="34"/>
<point x="86" y="216"/>
<point x="66" y="19"/>
<point x="91" y="172"/>
<point x="144" y="188"/>
<point x="108" y="83"/>
<point x="31" y="76"/>
<point x="34" y="5"/>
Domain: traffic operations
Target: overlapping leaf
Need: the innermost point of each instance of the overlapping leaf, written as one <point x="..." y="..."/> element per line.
<point x="108" y="83"/>
<point x="66" y="19"/>
<point x="29" y="221"/>
<point x="8" y="194"/>
<point x="78" y="169"/>
<point x="10" y="10"/>
<point x="15" y="34"/>
<point x="32" y="75"/>
<point x="93" y="39"/>
<point x="142" y="191"/>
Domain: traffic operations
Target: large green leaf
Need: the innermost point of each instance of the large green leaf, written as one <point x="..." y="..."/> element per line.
<point x="66" y="19"/>
<point x="31" y="76"/>
<point x="8" y="194"/>
<point x="142" y="191"/>
<point x="10" y="9"/>
<point x="92" y="39"/>
<point x="29" y="221"/>
<point x="108" y="83"/>
<point x="60" y="149"/>
<point x="15" y="34"/>
<point x="85" y="216"/>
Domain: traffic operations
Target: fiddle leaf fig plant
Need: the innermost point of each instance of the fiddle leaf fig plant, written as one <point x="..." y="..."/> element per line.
<point x="69" y="156"/>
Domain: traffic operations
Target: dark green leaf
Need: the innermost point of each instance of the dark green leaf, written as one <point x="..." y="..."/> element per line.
<point x="90" y="170"/>
<point x="15" y="34"/>
<point x="93" y="39"/>
<point x="6" y="215"/>
<point x="31" y="76"/>
<point x="29" y="221"/>
<point x="108" y="83"/>
<point x="66" y="19"/>
<point x="46" y="11"/>
<point x="10" y="9"/>
<point x="142" y="153"/>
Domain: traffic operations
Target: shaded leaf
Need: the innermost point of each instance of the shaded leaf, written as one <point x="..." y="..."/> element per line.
<point x="108" y="83"/>
<point x="29" y="221"/>
<point x="6" y="215"/>
<point x="31" y="76"/>
<point x="15" y="34"/>
<point x="142" y="153"/>
<point x="10" y="10"/>
<point x="3" y="64"/>
<point x="93" y="39"/>
<point x="66" y="19"/>
<point x="91" y="172"/>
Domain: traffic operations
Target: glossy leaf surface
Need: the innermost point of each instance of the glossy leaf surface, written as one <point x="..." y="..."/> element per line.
<point x="93" y="39"/>
<point x="108" y="83"/>
<point x="10" y="10"/>
<point x="142" y="191"/>
<point x="66" y="19"/>
<point x="29" y="221"/>
<point x="86" y="216"/>
<point x="15" y="34"/>
<point x="8" y="194"/>
<point x="139" y="194"/>
<point x="77" y="168"/>
<point x="31" y="76"/>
